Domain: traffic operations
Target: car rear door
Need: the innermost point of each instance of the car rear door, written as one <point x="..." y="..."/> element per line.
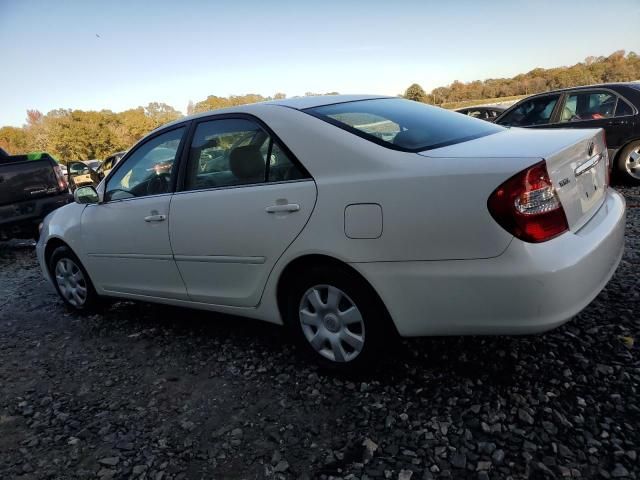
<point x="244" y="200"/>
<point x="597" y="108"/>
<point x="126" y="237"/>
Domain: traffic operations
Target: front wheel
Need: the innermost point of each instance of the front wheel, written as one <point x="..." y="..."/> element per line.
<point x="628" y="163"/>
<point x="336" y="318"/>
<point x="72" y="281"/>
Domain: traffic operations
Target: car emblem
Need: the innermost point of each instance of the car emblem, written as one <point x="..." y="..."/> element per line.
<point x="590" y="149"/>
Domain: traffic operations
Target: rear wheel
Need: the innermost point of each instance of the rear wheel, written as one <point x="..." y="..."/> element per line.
<point x="628" y="163"/>
<point x="72" y="281"/>
<point x="336" y="318"/>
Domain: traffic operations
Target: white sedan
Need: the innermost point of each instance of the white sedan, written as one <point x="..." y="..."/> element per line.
<point x="349" y="219"/>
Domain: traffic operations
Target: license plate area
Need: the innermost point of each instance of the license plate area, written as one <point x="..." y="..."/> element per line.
<point x="591" y="179"/>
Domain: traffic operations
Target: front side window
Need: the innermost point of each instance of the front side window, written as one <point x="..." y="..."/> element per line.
<point x="536" y="111"/>
<point x="233" y="152"/>
<point x="403" y="124"/>
<point x="149" y="170"/>
<point x="582" y="106"/>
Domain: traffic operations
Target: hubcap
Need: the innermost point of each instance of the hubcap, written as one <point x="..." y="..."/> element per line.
<point x="71" y="282"/>
<point x="632" y="164"/>
<point x="332" y="323"/>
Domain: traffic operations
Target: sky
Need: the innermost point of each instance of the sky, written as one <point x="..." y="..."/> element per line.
<point x="116" y="55"/>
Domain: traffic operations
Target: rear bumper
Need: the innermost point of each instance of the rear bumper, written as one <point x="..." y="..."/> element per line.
<point x="22" y="217"/>
<point x="529" y="288"/>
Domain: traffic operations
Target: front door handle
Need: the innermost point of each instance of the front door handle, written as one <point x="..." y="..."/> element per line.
<point x="155" y="218"/>
<point x="289" y="207"/>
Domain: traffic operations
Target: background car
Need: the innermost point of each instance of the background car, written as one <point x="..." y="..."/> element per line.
<point x="448" y="225"/>
<point x="93" y="164"/>
<point x="613" y="107"/>
<point x="108" y="164"/>
<point x="29" y="190"/>
<point x="80" y="174"/>
<point x="488" y="113"/>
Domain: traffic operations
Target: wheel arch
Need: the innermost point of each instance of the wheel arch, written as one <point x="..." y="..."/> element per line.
<point x="288" y="274"/>
<point x="625" y="145"/>
<point x="52" y="244"/>
<point x="615" y="162"/>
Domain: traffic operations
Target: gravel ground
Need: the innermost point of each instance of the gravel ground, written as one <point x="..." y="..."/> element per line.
<point x="153" y="392"/>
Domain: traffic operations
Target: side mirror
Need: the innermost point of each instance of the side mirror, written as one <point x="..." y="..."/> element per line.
<point x="86" y="195"/>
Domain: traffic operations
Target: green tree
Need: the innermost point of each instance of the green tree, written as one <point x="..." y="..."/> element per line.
<point x="416" y="93"/>
<point x="14" y="140"/>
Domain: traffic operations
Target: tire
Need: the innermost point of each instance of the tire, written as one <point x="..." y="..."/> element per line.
<point x="322" y="328"/>
<point x="628" y="168"/>
<point x="72" y="281"/>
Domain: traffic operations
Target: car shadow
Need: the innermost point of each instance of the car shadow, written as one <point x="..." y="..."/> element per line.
<point x="464" y="357"/>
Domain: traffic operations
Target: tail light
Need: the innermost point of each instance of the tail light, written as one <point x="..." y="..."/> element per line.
<point x="528" y="207"/>
<point x="62" y="182"/>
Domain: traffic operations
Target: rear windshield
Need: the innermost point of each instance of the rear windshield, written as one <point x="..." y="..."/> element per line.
<point x="403" y="124"/>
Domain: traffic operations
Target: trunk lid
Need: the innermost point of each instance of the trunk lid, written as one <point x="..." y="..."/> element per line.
<point x="576" y="160"/>
<point x="579" y="174"/>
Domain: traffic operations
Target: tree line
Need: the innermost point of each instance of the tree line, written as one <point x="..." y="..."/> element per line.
<point x="71" y="135"/>
<point x="617" y="67"/>
<point x="83" y="135"/>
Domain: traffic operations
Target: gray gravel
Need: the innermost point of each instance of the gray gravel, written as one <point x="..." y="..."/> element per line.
<point x="164" y="393"/>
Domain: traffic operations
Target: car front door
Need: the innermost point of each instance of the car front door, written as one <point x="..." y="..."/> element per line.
<point x="244" y="200"/>
<point x="598" y="109"/>
<point x="534" y="112"/>
<point x="126" y="236"/>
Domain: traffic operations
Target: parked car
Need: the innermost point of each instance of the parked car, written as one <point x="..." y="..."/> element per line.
<point x="453" y="226"/>
<point x="109" y="162"/>
<point x="29" y="190"/>
<point x="93" y="164"/>
<point x="612" y="106"/>
<point x="488" y="113"/>
<point x="81" y="174"/>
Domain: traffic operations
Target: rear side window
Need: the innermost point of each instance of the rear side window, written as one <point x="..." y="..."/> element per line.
<point x="623" y="109"/>
<point x="403" y="124"/>
<point x="233" y="152"/>
<point x="588" y="106"/>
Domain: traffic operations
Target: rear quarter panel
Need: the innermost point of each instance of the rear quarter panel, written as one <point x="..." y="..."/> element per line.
<point x="433" y="208"/>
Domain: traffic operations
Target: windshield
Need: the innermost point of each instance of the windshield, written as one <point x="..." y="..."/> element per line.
<point x="404" y="124"/>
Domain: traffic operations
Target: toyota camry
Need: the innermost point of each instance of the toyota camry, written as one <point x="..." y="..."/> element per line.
<point x="349" y="220"/>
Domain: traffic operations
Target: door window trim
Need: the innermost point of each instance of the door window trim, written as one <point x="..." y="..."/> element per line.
<point x="182" y="172"/>
<point x="176" y="163"/>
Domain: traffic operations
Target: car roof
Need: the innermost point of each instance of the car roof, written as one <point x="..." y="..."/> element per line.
<point x="312" y="101"/>
<point x="296" y="103"/>
<point x="635" y="85"/>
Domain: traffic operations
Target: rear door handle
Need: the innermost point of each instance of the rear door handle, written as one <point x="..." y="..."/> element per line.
<point x="155" y="218"/>
<point x="289" y="207"/>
